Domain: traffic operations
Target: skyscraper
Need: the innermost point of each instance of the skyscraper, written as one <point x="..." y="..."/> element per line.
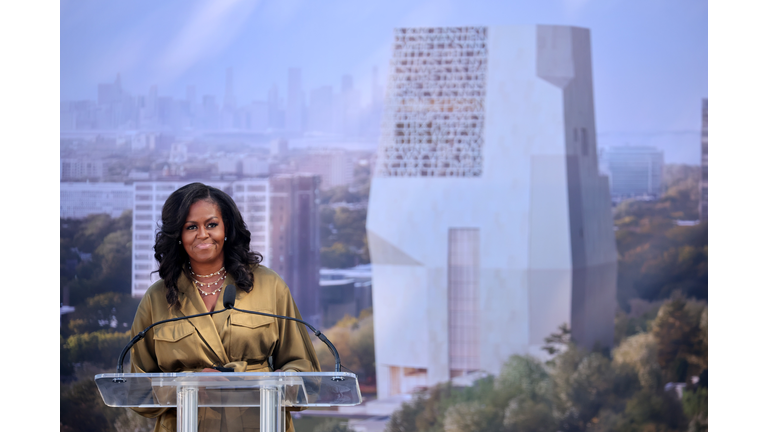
<point x="704" y="181"/>
<point x="347" y="108"/>
<point x="488" y="223"/>
<point x="634" y="171"/>
<point x="295" y="239"/>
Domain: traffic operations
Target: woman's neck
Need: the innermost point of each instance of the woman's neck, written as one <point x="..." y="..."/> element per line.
<point x="206" y="269"/>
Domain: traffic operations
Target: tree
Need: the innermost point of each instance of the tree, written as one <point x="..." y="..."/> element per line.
<point x="337" y="256"/>
<point x="108" y="311"/>
<point x="332" y="425"/>
<point x="361" y="343"/>
<point x="525" y="383"/>
<point x="640" y="353"/>
<point x="95" y="255"/>
<point x="100" y="348"/>
<point x="353" y="339"/>
<point x="676" y="329"/>
<point x="466" y="417"/>
<point x="82" y="409"/>
<point x="582" y="383"/>
<point x="657" y="257"/>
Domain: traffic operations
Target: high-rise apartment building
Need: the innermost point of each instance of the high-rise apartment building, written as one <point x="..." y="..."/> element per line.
<point x="704" y="181"/>
<point x="81" y="168"/>
<point x="335" y="167"/>
<point x="251" y="197"/>
<point x="295" y="238"/>
<point x="488" y="223"/>
<point x="634" y="171"/>
<point x="80" y="199"/>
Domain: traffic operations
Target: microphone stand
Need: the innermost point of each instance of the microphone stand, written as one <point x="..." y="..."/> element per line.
<point x="229" y="303"/>
<point x="314" y="330"/>
<point x="139" y="336"/>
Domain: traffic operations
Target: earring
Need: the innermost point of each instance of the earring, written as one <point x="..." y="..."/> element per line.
<point x="225" y="239"/>
<point x="179" y="241"/>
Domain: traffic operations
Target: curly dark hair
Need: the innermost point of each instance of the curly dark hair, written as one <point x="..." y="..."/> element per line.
<point x="171" y="256"/>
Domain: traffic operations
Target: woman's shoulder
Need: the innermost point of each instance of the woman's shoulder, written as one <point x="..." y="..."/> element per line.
<point x="261" y="271"/>
<point x="155" y="292"/>
<point x="156" y="288"/>
<point x="265" y="276"/>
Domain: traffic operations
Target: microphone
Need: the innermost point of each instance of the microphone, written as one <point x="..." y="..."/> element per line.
<point x="229" y="295"/>
<point x="228" y="298"/>
<point x="229" y="303"/>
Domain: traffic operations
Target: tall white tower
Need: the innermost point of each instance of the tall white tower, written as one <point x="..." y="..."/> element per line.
<point x="488" y="223"/>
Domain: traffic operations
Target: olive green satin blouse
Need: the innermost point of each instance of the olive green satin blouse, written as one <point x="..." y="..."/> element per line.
<point x="232" y="339"/>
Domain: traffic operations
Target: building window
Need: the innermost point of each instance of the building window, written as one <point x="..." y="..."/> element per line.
<point x="257" y="188"/>
<point x="144" y="207"/>
<point x="463" y="287"/>
<point x="394" y="380"/>
<point x="143" y="197"/>
<point x="144" y="187"/>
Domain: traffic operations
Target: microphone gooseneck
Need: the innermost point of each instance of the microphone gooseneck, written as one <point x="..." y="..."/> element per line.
<point x="229" y="303"/>
<point x="229" y="293"/>
<point x="228" y="300"/>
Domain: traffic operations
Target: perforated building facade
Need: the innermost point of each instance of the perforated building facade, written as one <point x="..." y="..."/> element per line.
<point x="433" y="125"/>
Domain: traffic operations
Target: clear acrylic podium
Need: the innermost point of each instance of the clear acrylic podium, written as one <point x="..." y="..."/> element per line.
<point x="270" y="391"/>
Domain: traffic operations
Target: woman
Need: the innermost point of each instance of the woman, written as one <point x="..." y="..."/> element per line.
<point x="203" y="246"/>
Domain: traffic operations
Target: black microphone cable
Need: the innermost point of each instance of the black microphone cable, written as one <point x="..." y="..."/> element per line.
<point x="229" y="303"/>
<point x="228" y="299"/>
<point x="229" y="292"/>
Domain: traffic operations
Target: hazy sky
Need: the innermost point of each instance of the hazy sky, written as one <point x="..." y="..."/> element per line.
<point x="649" y="57"/>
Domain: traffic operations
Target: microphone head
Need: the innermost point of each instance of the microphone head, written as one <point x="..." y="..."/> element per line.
<point x="230" y="292"/>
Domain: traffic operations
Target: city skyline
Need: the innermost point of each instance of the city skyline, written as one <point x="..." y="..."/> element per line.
<point x="293" y="112"/>
<point x="650" y="60"/>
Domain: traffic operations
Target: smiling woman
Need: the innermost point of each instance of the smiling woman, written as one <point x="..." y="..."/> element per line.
<point x="202" y="246"/>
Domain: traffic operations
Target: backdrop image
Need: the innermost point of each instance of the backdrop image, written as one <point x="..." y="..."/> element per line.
<point x="496" y="211"/>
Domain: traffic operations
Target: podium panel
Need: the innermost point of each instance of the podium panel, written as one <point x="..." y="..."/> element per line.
<point x="216" y="389"/>
<point x="270" y="391"/>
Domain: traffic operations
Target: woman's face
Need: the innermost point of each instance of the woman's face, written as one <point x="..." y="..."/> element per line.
<point x="203" y="235"/>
